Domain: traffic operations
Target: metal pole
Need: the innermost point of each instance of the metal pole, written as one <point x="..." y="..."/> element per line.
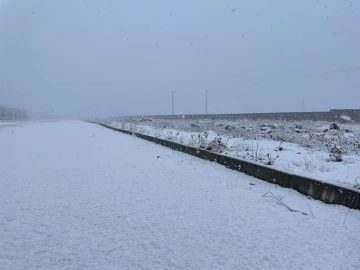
<point x="22" y="100"/>
<point x="206" y="102"/>
<point x="22" y="104"/>
<point x="172" y="101"/>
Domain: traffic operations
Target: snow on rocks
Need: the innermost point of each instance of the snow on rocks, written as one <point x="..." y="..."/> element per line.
<point x="301" y="144"/>
<point x="345" y="117"/>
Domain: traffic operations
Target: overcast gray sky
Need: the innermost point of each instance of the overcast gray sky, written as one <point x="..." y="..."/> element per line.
<point x="80" y="58"/>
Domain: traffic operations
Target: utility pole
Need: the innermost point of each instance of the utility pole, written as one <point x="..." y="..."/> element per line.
<point x="303" y="103"/>
<point x="206" y="101"/>
<point x="172" y="101"/>
<point x="22" y="106"/>
<point x="22" y="100"/>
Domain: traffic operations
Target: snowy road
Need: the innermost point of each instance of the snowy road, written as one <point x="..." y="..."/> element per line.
<point x="75" y="195"/>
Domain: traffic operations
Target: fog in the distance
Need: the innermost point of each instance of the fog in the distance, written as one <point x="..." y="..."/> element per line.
<point x="90" y="58"/>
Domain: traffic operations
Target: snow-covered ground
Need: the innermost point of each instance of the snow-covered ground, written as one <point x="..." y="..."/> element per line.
<point x="299" y="148"/>
<point x="74" y="195"/>
<point x="4" y="124"/>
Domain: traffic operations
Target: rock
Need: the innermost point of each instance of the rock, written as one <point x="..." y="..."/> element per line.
<point x="145" y="119"/>
<point x="349" y="135"/>
<point x="345" y="117"/>
<point x="348" y="130"/>
<point x="229" y="128"/>
<point x="267" y="126"/>
<point x="333" y="132"/>
<point x="336" y="153"/>
<point x="194" y="125"/>
<point x="297" y="126"/>
<point x="216" y="146"/>
<point x="334" y="126"/>
<point x="297" y="130"/>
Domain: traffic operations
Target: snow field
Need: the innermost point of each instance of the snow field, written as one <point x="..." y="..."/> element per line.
<point x="78" y="196"/>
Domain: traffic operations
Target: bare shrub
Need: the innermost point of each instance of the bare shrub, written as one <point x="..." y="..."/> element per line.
<point x="270" y="159"/>
<point x="309" y="164"/>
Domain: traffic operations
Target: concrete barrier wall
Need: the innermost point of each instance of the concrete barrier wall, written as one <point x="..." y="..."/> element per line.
<point x="330" y="116"/>
<point x="315" y="189"/>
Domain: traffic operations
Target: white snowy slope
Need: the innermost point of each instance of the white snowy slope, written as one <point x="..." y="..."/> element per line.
<point x="293" y="158"/>
<point x="75" y="195"/>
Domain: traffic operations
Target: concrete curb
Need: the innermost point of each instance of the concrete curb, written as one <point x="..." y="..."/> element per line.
<point x="315" y="189"/>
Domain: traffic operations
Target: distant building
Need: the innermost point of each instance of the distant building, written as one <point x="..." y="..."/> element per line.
<point x="12" y="114"/>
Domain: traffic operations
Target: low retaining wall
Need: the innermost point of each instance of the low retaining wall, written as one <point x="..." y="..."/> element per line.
<point x="315" y="189"/>
<point x="330" y="116"/>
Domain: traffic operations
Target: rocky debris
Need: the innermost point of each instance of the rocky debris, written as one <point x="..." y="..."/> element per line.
<point x="230" y="128"/>
<point x="336" y="153"/>
<point x="267" y="126"/>
<point x="216" y="145"/>
<point x="317" y="134"/>
<point x="334" y="126"/>
<point x="145" y="119"/>
<point x="333" y="132"/>
<point x="194" y="125"/>
<point x="349" y="135"/>
<point x="267" y="129"/>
